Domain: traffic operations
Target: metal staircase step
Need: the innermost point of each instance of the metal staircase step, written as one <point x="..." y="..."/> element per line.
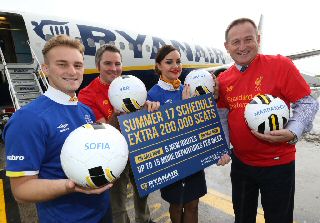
<point x="31" y="95"/>
<point x="24" y="102"/>
<point x="11" y="66"/>
<point x="22" y="76"/>
<point x="26" y="88"/>
<point x="23" y="82"/>
<point x="20" y="70"/>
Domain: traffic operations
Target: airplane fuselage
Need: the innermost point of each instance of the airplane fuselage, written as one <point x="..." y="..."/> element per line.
<point x="138" y="50"/>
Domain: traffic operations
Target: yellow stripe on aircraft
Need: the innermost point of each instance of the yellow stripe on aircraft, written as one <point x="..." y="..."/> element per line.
<point x="151" y="67"/>
<point x="3" y="217"/>
<point x="128" y="68"/>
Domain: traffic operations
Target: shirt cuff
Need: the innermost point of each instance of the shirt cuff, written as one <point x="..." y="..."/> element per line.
<point x="295" y="127"/>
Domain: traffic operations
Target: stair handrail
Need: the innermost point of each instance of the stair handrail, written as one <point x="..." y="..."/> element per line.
<point x="11" y="88"/>
<point x="38" y="69"/>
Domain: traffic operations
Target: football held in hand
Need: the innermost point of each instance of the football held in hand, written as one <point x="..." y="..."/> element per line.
<point x="200" y="81"/>
<point x="94" y="155"/>
<point x="127" y="93"/>
<point x="266" y="113"/>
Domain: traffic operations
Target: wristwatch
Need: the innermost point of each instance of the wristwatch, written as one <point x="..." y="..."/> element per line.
<point x="295" y="138"/>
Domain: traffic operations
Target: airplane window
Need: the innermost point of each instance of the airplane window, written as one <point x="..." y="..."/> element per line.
<point x="122" y="46"/>
<point x="102" y="42"/>
<point x="130" y="46"/>
<point x="91" y="42"/>
<point x="140" y="47"/>
<point x="79" y="38"/>
<point x="48" y="37"/>
<point x="155" y="49"/>
<point x="148" y="48"/>
<point x="111" y="43"/>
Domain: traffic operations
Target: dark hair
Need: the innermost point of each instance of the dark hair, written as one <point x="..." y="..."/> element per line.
<point x="162" y="53"/>
<point x="237" y="22"/>
<point x="102" y="49"/>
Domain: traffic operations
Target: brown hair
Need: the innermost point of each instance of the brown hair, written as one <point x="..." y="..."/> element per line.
<point x="237" y="22"/>
<point x="102" y="49"/>
<point x="62" y="40"/>
<point x="162" y="53"/>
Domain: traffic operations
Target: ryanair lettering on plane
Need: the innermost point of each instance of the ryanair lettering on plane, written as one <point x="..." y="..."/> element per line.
<point x="90" y="35"/>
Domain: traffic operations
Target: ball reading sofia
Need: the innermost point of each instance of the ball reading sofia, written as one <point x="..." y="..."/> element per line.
<point x="94" y="155"/>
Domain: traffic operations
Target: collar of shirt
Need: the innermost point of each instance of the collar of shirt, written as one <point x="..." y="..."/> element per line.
<point x="166" y="86"/>
<point x="239" y="67"/>
<point x="60" y="97"/>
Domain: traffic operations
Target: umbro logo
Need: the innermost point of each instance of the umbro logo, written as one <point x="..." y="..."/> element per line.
<point x="88" y="119"/>
<point x="13" y="157"/>
<point x="63" y="127"/>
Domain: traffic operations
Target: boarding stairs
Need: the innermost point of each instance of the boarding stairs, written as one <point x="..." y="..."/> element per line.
<point x="24" y="81"/>
<point x="25" y="86"/>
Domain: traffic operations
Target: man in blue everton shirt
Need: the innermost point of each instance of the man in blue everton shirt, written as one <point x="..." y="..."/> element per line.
<point x="34" y="137"/>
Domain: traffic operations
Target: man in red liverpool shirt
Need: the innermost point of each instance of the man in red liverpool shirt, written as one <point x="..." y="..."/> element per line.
<point x="108" y="61"/>
<point x="262" y="163"/>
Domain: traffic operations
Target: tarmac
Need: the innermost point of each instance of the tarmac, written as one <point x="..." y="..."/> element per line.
<point x="216" y="206"/>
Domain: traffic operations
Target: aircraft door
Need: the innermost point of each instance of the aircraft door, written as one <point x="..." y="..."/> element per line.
<point x="6" y="43"/>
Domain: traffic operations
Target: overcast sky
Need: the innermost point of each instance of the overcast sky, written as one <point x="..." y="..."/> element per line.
<point x="289" y="26"/>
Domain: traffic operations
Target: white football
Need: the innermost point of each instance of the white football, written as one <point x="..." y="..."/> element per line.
<point x="94" y="155"/>
<point x="127" y="93"/>
<point x="266" y="113"/>
<point x="200" y="81"/>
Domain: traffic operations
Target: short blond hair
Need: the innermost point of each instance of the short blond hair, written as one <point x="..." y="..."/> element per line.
<point x="62" y="40"/>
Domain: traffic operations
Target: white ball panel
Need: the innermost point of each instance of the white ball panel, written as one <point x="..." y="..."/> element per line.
<point x="198" y="78"/>
<point x="259" y="113"/>
<point x="87" y="148"/>
<point x="127" y="86"/>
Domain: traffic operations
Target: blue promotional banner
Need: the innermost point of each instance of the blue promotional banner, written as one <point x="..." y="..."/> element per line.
<point x="174" y="142"/>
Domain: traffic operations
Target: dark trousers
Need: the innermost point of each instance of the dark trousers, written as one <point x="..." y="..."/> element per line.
<point x="276" y="185"/>
<point x="108" y="217"/>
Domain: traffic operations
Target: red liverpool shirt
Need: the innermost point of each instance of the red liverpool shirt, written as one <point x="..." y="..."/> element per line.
<point x="274" y="75"/>
<point x="95" y="95"/>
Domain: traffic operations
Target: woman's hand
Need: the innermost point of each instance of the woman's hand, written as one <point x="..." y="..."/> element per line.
<point x="152" y="105"/>
<point x="186" y="92"/>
